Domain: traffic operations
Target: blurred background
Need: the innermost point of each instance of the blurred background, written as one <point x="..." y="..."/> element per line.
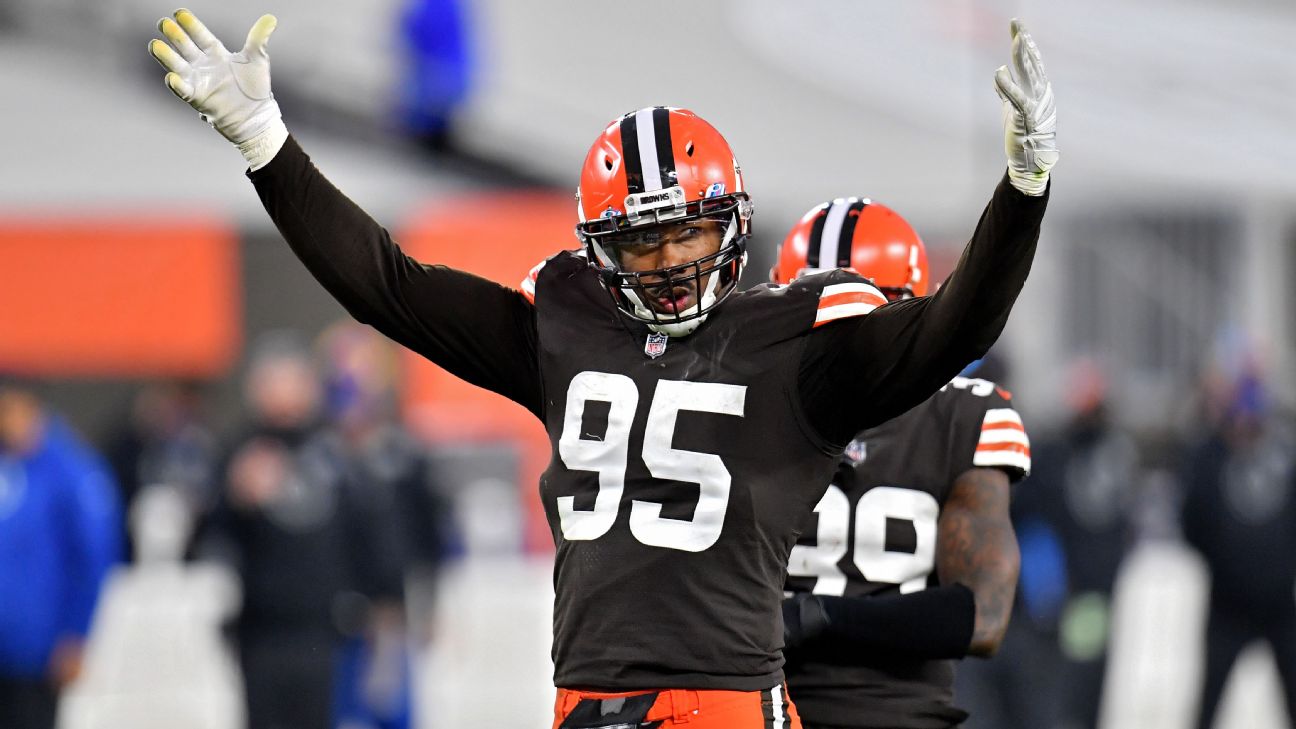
<point x="216" y="493"/>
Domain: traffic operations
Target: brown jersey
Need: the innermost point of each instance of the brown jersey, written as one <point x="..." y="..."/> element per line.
<point x="681" y="467"/>
<point x="677" y="478"/>
<point x="874" y="533"/>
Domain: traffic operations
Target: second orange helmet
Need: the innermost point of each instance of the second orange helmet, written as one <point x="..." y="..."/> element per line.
<point x="856" y="233"/>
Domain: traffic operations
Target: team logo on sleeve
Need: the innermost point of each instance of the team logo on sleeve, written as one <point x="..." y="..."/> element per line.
<point x="656" y="345"/>
<point x="856" y="452"/>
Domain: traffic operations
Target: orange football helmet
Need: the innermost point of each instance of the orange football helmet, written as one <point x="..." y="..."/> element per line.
<point x="663" y="165"/>
<point x="861" y="235"/>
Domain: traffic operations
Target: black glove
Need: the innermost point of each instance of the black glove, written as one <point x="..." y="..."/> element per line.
<point x="804" y="620"/>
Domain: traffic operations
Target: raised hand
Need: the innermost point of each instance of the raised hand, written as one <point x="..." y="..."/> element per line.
<point x="1030" y="118"/>
<point x="230" y="90"/>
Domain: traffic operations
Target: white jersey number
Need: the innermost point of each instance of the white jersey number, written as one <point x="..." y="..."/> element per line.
<point x="909" y="570"/>
<point x="610" y="456"/>
<point x="974" y="385"/>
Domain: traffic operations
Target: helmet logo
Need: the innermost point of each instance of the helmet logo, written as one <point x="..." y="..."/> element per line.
<point x="637" y="204"/>
<point x="611" y="212"/>
<point x="715" y="190"/>
<point x="656" y="345"/>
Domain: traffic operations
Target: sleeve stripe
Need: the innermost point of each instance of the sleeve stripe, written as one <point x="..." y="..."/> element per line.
<point x="529" y="283"/>
<point x="1003" y="459"/>
<point x="995" y="415"/>
<point x="842" y="300"/>
<point x="1003" y="436"/>
<point x="851" y="297"/>
<point x="842" y="311"/>
<point x="1002" y="447"/>
<point x="853" y="287"/>
<point x="1001" y="428"/>
<point x="1003" y="442"/>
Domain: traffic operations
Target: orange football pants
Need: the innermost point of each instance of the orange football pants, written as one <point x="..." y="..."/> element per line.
<point x="700" y="709"/>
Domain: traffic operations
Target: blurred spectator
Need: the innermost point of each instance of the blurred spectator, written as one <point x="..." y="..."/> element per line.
<point x="391" y="479"/>
<point x="1240" y="514"/>
<point x="436" y="41"/>
<point x="389" y="464"/>
<point x="166" y="443"/>
<point x="60" y="534"/>
<point x="1083" y="488"/>
<point x="299" y="543"/>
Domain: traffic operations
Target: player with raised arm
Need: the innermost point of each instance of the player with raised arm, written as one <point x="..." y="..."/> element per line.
<point x="693" y="426"/>
<point x="911" y="557"/>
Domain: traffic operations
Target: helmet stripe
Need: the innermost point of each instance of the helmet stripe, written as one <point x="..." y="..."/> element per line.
<point x="665" y="152"/>
<point x="652" y="131"/>
<point x="830" y="237"/>
<point x="847" y="235"/>
<point x="630" y="149"/>
<point x="647" y="141"/>
<point x="816" y="235"/>
<point x="646" y="144"/>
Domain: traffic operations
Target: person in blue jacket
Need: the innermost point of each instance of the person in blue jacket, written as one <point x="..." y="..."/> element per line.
<point x="60" y="534"/>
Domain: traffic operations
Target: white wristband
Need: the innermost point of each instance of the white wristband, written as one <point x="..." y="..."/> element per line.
<point x="1029" y="183"/>
<point x="260" y="149"/>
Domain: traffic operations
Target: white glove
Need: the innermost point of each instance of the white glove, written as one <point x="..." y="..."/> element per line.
<point x="1030" y="119"/>
<point x="230" y="90"/>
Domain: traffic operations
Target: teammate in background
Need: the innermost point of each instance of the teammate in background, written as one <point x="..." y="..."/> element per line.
<point x="911" y="557"/>
<point x="693" y="426"/>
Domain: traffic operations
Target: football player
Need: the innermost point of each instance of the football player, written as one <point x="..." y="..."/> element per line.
<point x="693" y="426"/>
<point x="911" y="557"/>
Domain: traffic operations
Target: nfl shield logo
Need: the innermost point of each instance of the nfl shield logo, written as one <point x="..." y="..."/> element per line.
<point x="856" y="451"/>
<point x="656" y="345"/>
